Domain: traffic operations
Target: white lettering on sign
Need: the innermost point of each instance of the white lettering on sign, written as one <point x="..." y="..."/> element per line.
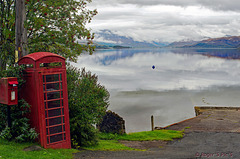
<point x="13" y="95"/>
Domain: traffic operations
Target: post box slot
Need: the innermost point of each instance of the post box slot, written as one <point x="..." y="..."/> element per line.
<point x="13" y="83"/>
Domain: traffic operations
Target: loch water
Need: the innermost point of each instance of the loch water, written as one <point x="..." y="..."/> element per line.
<point x="179" y="80"/>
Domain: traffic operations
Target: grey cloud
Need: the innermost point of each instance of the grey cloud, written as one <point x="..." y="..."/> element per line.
<point x="168" y="20"/>
<point x="146" y="2"/>
<point x="226" y="5"/>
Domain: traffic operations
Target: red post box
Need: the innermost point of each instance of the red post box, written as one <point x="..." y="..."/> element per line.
<point x="9" y="91"/>
<point x="45" y="90"/>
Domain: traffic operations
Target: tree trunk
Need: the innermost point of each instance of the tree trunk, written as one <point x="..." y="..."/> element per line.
<point x="21" y="32"/>
<point x="1" y="31"/>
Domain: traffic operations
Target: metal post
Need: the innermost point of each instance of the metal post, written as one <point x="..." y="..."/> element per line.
<point x="9" y="116"/>
<point x="152" y="122"/>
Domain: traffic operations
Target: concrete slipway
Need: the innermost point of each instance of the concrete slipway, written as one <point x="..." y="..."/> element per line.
<point x="213" y="133"/>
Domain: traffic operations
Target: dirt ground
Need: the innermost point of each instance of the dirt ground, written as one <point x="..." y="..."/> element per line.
<point x="213" y="134"/>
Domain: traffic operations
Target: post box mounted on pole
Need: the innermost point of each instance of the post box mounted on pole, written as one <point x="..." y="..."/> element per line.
<point x="9" y="94"/>
<point x="8" y="87"/>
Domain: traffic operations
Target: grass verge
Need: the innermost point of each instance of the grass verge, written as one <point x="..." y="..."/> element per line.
<point x="145" y="135"/>
<point x="13" y="150"/>
<point x="110" y="145"/>
<point x="110" y="142"/>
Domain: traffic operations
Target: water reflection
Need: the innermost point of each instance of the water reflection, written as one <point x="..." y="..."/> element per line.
<point x="182" y="78"/>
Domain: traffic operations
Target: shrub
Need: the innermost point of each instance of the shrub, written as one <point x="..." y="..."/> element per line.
<point x="20" y="130"/>
<point x="88" y="102"/>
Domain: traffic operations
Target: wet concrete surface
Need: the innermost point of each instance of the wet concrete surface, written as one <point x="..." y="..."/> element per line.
<point x="225" y="119"/>
<point x="212" y="134"/>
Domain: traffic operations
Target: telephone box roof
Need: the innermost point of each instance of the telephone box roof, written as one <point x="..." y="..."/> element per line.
<point x="39" y="55"/>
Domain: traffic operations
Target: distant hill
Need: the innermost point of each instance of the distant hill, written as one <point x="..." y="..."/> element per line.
<point x="106" y="38"/>
<point x="223" y="42"/>
<point x="182" y="43"/>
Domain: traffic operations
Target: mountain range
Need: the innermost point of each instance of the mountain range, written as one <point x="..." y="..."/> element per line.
<point x="108" y="39"/>
<point x="223" y="42"/>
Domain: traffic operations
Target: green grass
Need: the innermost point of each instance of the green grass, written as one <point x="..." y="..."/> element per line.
<point x="12" y="150"/>
<point x="145" y="135"/>
<point x="110" y="141"/>
<point x="109" y="145"/>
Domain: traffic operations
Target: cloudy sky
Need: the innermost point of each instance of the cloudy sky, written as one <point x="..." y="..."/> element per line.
<point x="167" y="20"/>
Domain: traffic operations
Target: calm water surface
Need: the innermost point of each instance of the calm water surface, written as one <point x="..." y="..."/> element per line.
<point x="182" y="79"/>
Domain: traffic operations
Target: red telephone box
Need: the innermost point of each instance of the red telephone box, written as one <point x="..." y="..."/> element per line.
<point x="46" y="91"/>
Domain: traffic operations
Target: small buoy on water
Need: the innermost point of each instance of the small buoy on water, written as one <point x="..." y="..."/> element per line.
<point x="153" y="67"/>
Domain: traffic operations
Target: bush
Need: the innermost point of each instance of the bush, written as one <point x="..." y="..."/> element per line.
<point x="20" y="130"/>
<point x="88" y="102"/>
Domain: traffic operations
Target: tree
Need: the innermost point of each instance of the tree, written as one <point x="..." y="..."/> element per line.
<point x="59" y="27"/>
<point x="88" y="102"/>
<point x="7" y="33"/>
<point x="54" y="26"/>
<point x="21" y="32"/>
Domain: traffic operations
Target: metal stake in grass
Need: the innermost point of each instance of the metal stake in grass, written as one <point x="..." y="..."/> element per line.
<point x="152" y="122"/>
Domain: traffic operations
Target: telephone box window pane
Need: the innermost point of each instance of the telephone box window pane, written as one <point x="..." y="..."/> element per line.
<point x="52" y="78"/>
<point x="61" y="94"/>
<point x="52" y="86"/>
<point x="47" y="130"/>
<point x="56" y="129"/>
<point x="53" y="95"/>
<point x="64" y="136"/>
<point x="61" y="85"/>
<point x="63" y="120"/>
<point x="54" y="104"/>
<point x="55" y="121"/>
<point x="60" y="77"/>
<point x="45" y="105"/>
<point x="44" y="88"/>
<point x="44" y="96"/>
<point x="43" y="79"/>
<point x="56" y="138"/>
<point x="45" y="114"/>
<point x="48" y="140"/>
<point x="62" y="111"/>
<point x="46" y="122"/>
<point x="54" y="112"/>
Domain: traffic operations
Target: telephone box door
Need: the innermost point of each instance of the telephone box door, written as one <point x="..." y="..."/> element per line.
<point x="54" y="108"/>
